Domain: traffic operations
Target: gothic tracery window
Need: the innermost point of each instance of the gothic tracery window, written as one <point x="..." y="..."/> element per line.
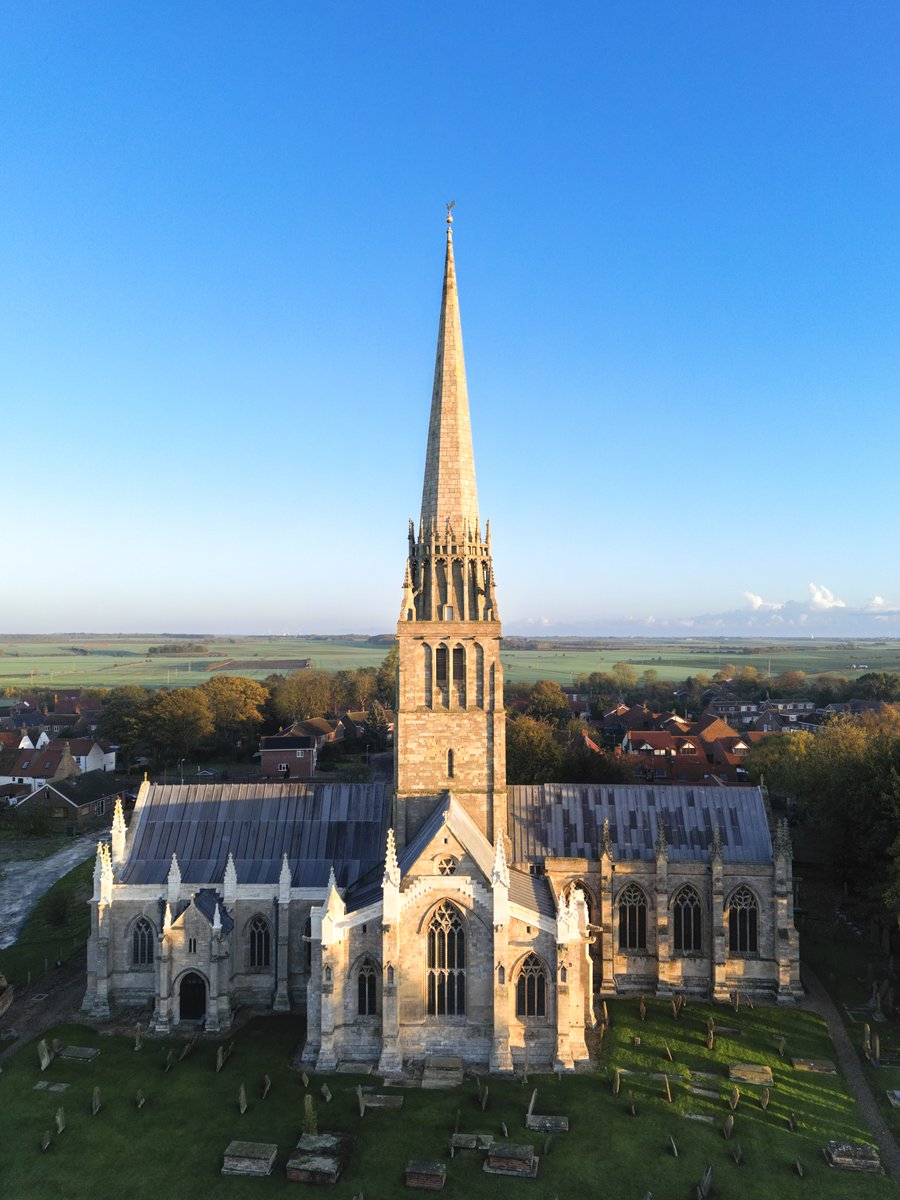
<point x="447" y="865"/>
<point x="632" y="918"/>
<point x="743" y="922"/>
<point x="531" y="988"/>
<point x="259" y="937"/>
<point x="446" y="963"/>
<point x="366" y="999"/>
<point x="142" y="943"/>
<point x="687" y="921"/>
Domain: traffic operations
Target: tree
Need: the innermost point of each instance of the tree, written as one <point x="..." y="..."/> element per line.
<point x="303" y="694"/>
<point x="789" y="683"/>
<point x="386" y="678"/>
<point x="625" y="675"/>
<point x="533" y="754"/>
<point x="236" y="705"/>
<point x="377" y="726"/>
<point x="177" y="722"/>
<point x="547" y="702"/>
<point x="123" y="720"/>
<point x="878" y="685"/>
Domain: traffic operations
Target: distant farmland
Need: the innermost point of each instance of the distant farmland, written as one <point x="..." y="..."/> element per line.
<point x="109" y="661"/>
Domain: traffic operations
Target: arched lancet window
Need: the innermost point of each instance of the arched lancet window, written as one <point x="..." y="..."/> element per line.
<point x="450" y="764"/>
<point x="307" y="941"/>
<point x="259" y="938"/>
<point x="632" y="918"/>
<point x="446" y="963"/>
<point x="531" y="988"/>
<point x="743" y="922"/>
<point x="688" y="923"/>
<point x="366" y="1004"/>
<point x="479" y="675"/>
<point x="142" y="939"/>
<point x="440" y="666"/>
<point x="426" y="674"/>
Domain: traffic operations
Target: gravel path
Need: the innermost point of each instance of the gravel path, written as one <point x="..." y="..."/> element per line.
<point x="25" y="882"/>
<point x="820" y="1002"/>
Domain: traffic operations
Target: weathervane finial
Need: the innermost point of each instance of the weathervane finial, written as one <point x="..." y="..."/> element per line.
<point x="449" y="214"/>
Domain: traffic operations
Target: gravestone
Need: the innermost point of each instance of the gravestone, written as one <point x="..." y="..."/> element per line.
<point x="668" y="1051"/>
<point x="867" y="1040"/>
<point x="319" y="1157"/>
<point x="83" y="1054"/>
<point x="45" y="1140"/>
<point x="820" y="1066"/>
<point x="735" y="1098"/>
<point x="728" y="1128"/>
<point x="511" y="1158"/>
<point x="764" y="1099"/>
<point x="138" y="1038"/>
<point x="242" y="1100"/>
<point x="267" y="1084"/>
<point x="429" y="1176"/>
<point x="139" y="1098"/>
<point x="377" y="1100"/>
<point x="305" y="1079"/>
<point x="674" y="1147"/>
<point x="749" y="1073"/>
<point x="170" y="1061"/>
<point x="95" y="1101"/>
<point x="326" y="1093"/>
<point x="43" y="1054"/>
<point x="185" y="1051"/>
<point x="249" y="1158"/>
<point x="668" y="1090"/>
<point x="852" y="1156"/>
<point x="60" y="1120"/>
<point x="704" y="1187"/>
<point x="220" y="1059"/>
<point x="738" y="1155"/>
<point x="798" y="1167"/>
<point x="484" y="1100"/>
<point x="360" y="1100"/>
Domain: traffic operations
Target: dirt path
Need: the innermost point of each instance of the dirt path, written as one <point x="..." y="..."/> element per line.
<point x="25" y="882"/>
<point x="820" y="1002"/>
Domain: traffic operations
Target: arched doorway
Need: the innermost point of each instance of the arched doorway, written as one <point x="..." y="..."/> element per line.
<point x="192" y="997"/>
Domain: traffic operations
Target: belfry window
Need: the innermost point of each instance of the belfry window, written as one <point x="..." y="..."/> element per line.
<point x="440" y="666"/>
<point x="142" y="943"/>
<point x="743" y="922"/>
<point x="688" y="923"/>
<point x="450" y="764"/>
<point x="446" y="963"/>
<point x="459" y="664"/>
<point x="632" y="918"/>
<point x="366" y="998"/>
<point x="531" y="988"/>
<point x="260" y="944"/>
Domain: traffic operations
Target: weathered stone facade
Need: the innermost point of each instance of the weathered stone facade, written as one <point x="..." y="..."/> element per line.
<point x="450" y="914"/>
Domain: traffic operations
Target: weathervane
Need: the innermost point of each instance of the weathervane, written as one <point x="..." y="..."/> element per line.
<point x="449" y="216"/>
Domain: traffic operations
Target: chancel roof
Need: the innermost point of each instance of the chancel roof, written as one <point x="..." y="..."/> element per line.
<point x="562" y="820"/>
<point x="317" y="825"/>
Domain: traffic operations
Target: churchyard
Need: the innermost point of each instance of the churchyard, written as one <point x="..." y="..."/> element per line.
<point x="678" y="1090"/>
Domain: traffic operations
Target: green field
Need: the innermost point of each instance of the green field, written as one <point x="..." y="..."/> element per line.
<point x="173" y="1145"/>
<point x="99" y="661"/>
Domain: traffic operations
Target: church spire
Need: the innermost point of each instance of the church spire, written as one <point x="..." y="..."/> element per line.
<point x="449" y="494"/>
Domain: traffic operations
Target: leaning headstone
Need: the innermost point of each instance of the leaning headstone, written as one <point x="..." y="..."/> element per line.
<point x="95" y="1101"/>
<point x="616" y="1081"/>
<point x="242" y="1099"/>
<point x="764" y="1099"/>
<point x="138" y="1038"/>
<point x="505" y="1130"/>
<point x="220" y="1059"/>
<point x="484" y="1099"/>
<point x="798" y="1167"/>
<point x="876" y="1049"/>
<point x="674" y="1147"/>
<point x="185" y="1051"/>
<point x="139" y="1098"/>
<point x="738" y="1155"/>
<point x="781" y="1046"/>
<point x="531" y="1103"/>
<point x="792" y="1122"/>
<point x="170" y="1061"/>
<point x="728" y="1128"/>
<point x="867" y="1040"/>
<point x="360" y="1100"/>
<point x="60" y="1120"/>
<point x="43" y="1054"/>
<point x="267" y="1084"/>
<point x="326" y="1093"/>
<point x="45" y="1140"/>
<point x="668" y="1051"/>
<point x="735" y="1097"/>
<point x="668" y="1090"/>
<point x="642" y="1009"/>
<point x="305" y="1079"/>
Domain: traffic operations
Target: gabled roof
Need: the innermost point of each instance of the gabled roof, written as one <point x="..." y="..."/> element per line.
<point x="317" y="825"/>
<point x="566" y="821"/>
<point x="277" y="742"/>
<point x="205" y="902"/>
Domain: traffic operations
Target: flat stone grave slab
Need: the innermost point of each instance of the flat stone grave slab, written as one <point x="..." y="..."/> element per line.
<point x="44" y="1085"/>
<point x="429" y="1176"/>
<point x="539" y="1123"/>
<point x="821" y="1066"/>
<point x="852" y="1156"/>
<point x="319" y="1157"/>
<point x="379" y="1100"/>
<point x="708" y="1093"/>
<point x="249" y="1158"/>
<point x="893" y="1096"/>
<point x="471" y="1141"/>
<point x="707" y="1117"/>
<point x="444" y="1072"/>
<point x="79" y="1053"/>
<point x="511" y="1158"/>
<point x="749" y="1073"/>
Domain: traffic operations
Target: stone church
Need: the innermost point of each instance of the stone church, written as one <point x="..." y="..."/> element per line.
<point x="448" y="913"/>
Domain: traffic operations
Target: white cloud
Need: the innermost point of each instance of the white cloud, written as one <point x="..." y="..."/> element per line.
<point x="820" y="598"/>
<point x="758" y="604"/>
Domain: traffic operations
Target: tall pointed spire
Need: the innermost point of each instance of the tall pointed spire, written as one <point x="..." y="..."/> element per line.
<point x="449" y="492"/>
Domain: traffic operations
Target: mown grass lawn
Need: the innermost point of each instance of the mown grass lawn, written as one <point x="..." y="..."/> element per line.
<point x="173" y="1146"/>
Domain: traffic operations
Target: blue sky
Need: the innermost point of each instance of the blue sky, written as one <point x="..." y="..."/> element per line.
<point x="678" y="250"/>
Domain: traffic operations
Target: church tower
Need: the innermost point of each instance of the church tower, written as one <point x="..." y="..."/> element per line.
<point x="450" y="731"/>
